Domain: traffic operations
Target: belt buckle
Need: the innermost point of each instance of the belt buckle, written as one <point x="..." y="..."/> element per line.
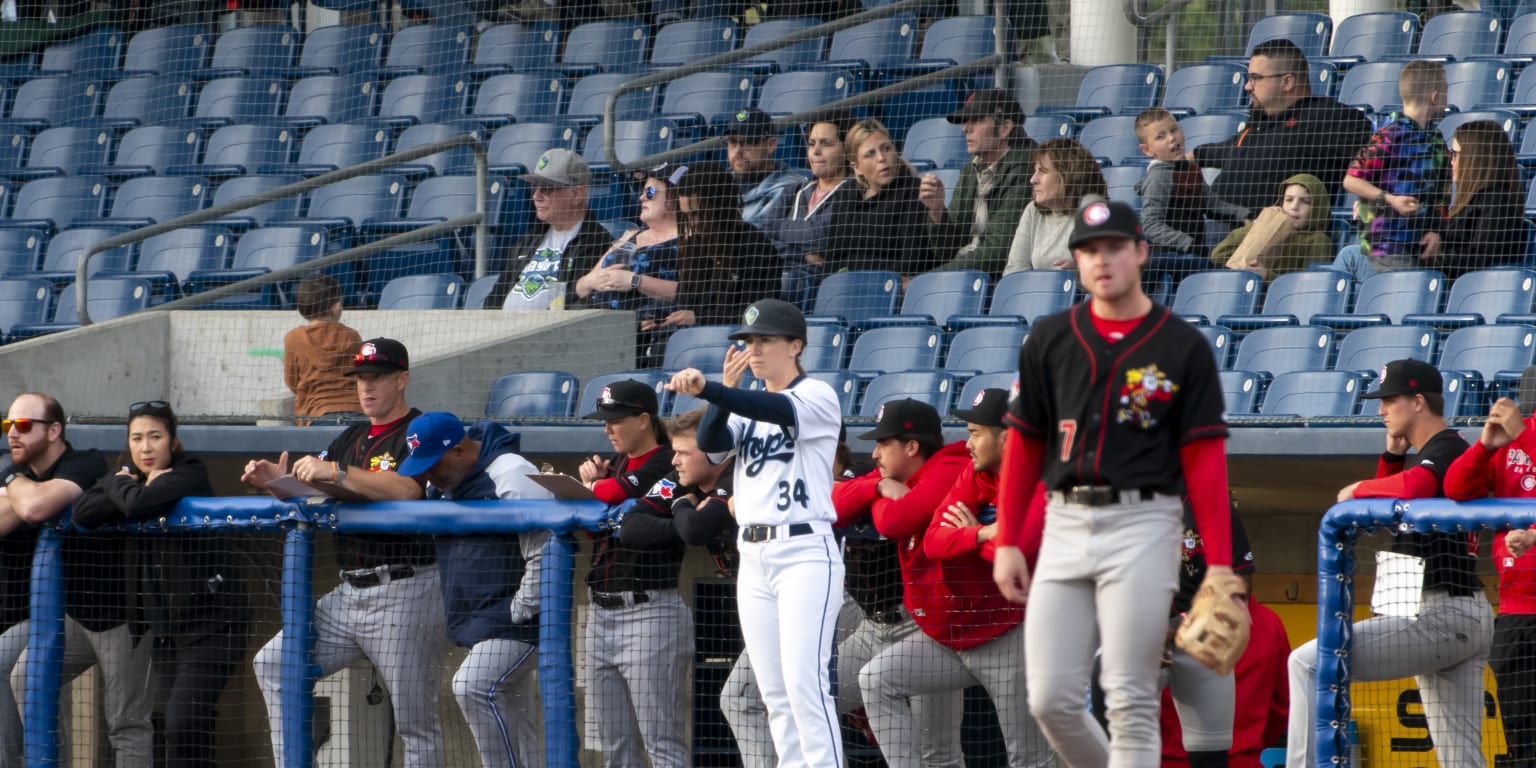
<point x="757" y="534"/>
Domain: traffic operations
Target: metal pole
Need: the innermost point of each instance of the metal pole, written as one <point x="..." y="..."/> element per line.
<point x="1000" y="44"/>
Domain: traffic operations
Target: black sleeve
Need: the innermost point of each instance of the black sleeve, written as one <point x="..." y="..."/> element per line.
<point x="772" y="407"/>
<point x="142" y="502"/>
<point x="1202" y="407"/>
<point x="699" y="524"/>
<point x="339" y="448"/>
<point x="94" y="508"/>
<point x="637" y="480"/>
<point x="643" y="529"/>
<point x="1242" y="552"/>
<point x="83" y="468"/>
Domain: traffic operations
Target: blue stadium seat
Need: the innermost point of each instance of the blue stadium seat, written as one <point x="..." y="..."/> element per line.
<point x="245" y="186"/>
<point x="1312" y="394"/>
<point x="95" y="51"/>
<point x="845" y="384"/>
<point x="875" y="45"/>
<point x="791" y="92"/>
<point x="1477" y="84"/>
<point x="1204" y="296"/>
<point x="150" y="199"/>
<point x="57" y="203"/>
<point x="167" y="260"/>
<point x="1209" y="129"/>
<point x="934" y="297"/>
<point x="330" y="99"/>
<point x="108" y="298"/>
<point x="415" y="99"/>
<point x="935" y="388"/>
<point x="589" y="95"/>
<point x="236" y="150"/>
<point x="457" y="161"/>
<point x="1295" y="298"/>
<point x="425" y="48"/>
<point x="959" y="40"/>
<point x="1508" y="120"/>
<point x="61" y="258"/>
<point x="1240" y="389"/>
<point x="701" y="347"/>
<point x="685" y="42"/>
<point x="1284" y="349"/>
<point x="853" y="297"/>
<point x="53" y="101"/>
<point x="477" y="293"/>
<point x="1520" y="39"/>
<point x="145" y="101"/>
<point x="1308" y="31"/>
<point x="341" y="48"/>
<point x="250" y="50"/>
<point x="1324" y="77"/>
<point x="897" y="348"/>
<point x="1368" y="350"/>
<point x="1120" y="182"/>
<point x="1116" y="89"/>
<point x="21" y="250"/>
<point x="170" y="50"/>
<point x="1375" y="36"/>
<point x="973" y="387"/>
<point x="1461" y="396"/>
<point x="422" y="292"/>
<point x="64" y="152"/>
<point x="532" y="395"/>
<point x="1388" y="297"/>
<point x="1460" y="35"/>
<point x="604" y="46"/>
<point x="1024" y="297"/>
<point x="1481" y="297"/>
<point x="23" y="301"/>
<point x="701" y="97"/>
<point x="633" y="139"/>
<point x="593" y="388"/>
<point x="789" y="57"/>
<point x="1043" y="128"/>
<point x="1489" y="350"/>
<point x="515" y="149"/>
<point x="516" y="97"/>
<point x="985" y="349"/>
<point x="1221" y="341"/>
<point x="825" y="347"/>
<point x="259" y="252"/>
<point x="517" y="47"/>
<point x="1205" y="88"/>
<point x="152" y="149"/>
<point x="1113" y="140"/>
<point x="230" y="100"/>
<point x="1372" y="85"/>
<point x="351" y="203"/>
<point x="935" y="143"/>
<point x="329" y="147"/>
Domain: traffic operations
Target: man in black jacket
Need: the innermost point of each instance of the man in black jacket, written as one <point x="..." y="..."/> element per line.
<point x="1289" y="131"/>
<point x="567" y="248"/>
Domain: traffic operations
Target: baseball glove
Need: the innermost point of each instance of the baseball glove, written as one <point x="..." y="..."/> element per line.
<point x="1215" y="631"/>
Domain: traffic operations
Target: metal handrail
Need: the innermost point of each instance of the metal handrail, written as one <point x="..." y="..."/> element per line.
<point x="476" y="219"/>
<point x="997" y="61"/>
<point x="1167" y="13"/>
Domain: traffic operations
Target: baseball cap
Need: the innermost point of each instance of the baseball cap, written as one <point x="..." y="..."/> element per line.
<point x="904" y="417"/>
<point x="986" y="409"/>
<point x="624" y="398"/>
<point x="711" y="179"/>
<point x="750" y="123"/>
<point x="380" y="356"/>
<point x="559" y="168"/>
<point x="771" y="317"/>
<point x="429" y="436"/>
<point x="1407" y="377"/>
<point x="671" y="173"/>
<point x="1098" y="217"/>
<point x="989" y="102"/>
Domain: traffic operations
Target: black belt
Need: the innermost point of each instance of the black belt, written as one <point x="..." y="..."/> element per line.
<point x="757" y="534"/>
<point x="1105" y="495"/>
<point x="615" y="600"/>
<point x="363" y="579"/>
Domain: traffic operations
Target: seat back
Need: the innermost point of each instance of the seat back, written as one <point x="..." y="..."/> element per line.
<point x="1401" y="292"/>
<point x="826" y="346"/>
<point x="522" y="143"/>
<point x="1285" y="349"/>
<point x="1474" y="84"/>
<point x="684" y="42"/>
<point x="20" y="251"/>
<point x="430" y="47"/>
<point x="343" y="48"/>
<point x="701" y="347"/>
<point x="359" y="199"/>
<point x="332" y="98"/>
<point x="856" y="296"/>
<point x="1220" y="338"/>
<point x="61" y="200"/>
<point x="935" y="140"/>
<point x="250" y="146"/>
<point x="69" y="149"/>
<point x="1033" y="294"/>
<point x="1492" y="292"/>
<point x="1308" y="31"/>
<point x="1123" y="89"/>
<point x="57" y="100"/>
<point x="169" y="50"/>
<point x="790" y="92"/>
<point x="109" y="298"/>
<point x="522" y="96"/>
<point x="479" y="291"/>
<point x="1372" y="85"/>
<point x="422" y="292"/>
<point x="1216" y="293"/>
<point x="960" y="39"/>
<point x="519" y="47"/>
<point x="1113" y="138"/>
<point x="459" y="160"/>
<point x="1461" y="34"/>
<point x="880" y="44"/>
<point x="532" y="395"/>
<point x="1308" y="292"/>
<point x="1240" y="390"/>
<point x="159" y="198"/>
<point x="709" y="94"/>
<point x="935" y="388"/>
<point x="1312" y="393"/>
<point x="941" y="295"/>
<point x="426" y="98"/>
<point x="96" y="51"/>
<point x="157" y="147"/>
<point x="343" y="145"/>
<point x="1373" y="36"/>
<point x="255" y="48"/>
<point x="184" y="251"/>
<point x="607" y="45"/>
<point x="898" y="348"/>
<point x="986" y="348"/>
<point x="281" y="209"/>
<point x="589" y="96"/>
<point x="149" y="99"/>
<point x="1207" y="88"/>
<point x="789" y="57"/>
<point x="1489" y="349"/>
<point x="274" y="248"/>
<point x="24" y="300"/>
<point x="65" y="249"/>
<point x="240" y="99"/>
<point x="1370" y="349"/>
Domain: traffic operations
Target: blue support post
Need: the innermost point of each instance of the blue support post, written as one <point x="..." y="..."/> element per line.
<point x="557" y="668"/>
<point x="298" y="667"/>
<point x="45" y="652"/>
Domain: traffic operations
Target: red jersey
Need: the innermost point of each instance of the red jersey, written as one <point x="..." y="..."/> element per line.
<point x="1263" y="700"/>
<point x="1506" y="473"/>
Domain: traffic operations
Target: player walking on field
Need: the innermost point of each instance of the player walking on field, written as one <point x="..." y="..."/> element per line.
<point x="790" y="584"/>
<point x="1118" y="410"/>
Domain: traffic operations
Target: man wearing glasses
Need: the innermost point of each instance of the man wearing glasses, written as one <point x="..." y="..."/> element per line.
<point x="42" y="479"/>
<point x="388" y="607"/>
<point x="1289" y="132"/>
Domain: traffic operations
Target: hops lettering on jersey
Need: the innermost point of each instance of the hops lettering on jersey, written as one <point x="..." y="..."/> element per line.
<point x="1143" y="388"/>
<point x="759" y="450"/>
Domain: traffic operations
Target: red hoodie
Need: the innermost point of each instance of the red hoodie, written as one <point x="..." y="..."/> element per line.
<point x="1506" y="473"/>
<point x="956" y="602"/>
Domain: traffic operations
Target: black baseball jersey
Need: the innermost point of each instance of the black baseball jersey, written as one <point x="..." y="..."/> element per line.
<point x="618" y="566"/>
<point x="1116" y="413"/>
<point x="1192" y="557"/>
<point x="1449" y="562"/>
<point x="382" y="452"/>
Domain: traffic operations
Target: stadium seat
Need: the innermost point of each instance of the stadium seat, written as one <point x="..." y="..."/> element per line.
<point x="789" y="57"/>
<point x="985" y="349"/>
<point x="240" y="187"/>
<point x="144" y="101"/>
<point x="172" y="50"/>
<point x="1115" y="89"/>
<point x="454" y="162"/>
<point x="1204" y="296"/>
<point x="1284" y="349"/>
<point x="845" y="384"/>
<point x="1024" y="297"/>
<point x="1324" y="77"/>
<point x="1295" y="298"/>
<point x="604" y="46"/>
<point x="589" y="96"/>
<point x="934" y="297"/>
<point x="935" y="388"/>
<point x="515" y="149"/>
<point x="1205" y="88"/>
<point x="852" y="297"/>
<point x="701" y="347"/>
<point x="329" y="147"/>
<point x="415" y="99"/>
<point x="875" y="45"/>
<point x="1002" y="380"/>
<point x="150" y="199"/>
<point x="62" y="152"/>
<point x="99" y="50"/>
<point x="1113" y="140"/>
<point x="699" y="98"/>
<point x="259" y="252"/>
<point x="1477" y="84"/>
<point x="1369" y="349"/>
<point x="152" y="149"/>
<point x="960" y="40"/>
<point x="341" y="48"/>
<point x="58" y="202"/>
<point x="252" y="50"/>
<point x="516" y="97"/>
<point x="1481" y="297"/>
<point x="532" y="395"/>
<point x="685" y="42"/>
<point x="633" y="139"/>
<point x="107" y="298"/>
<point x="1508" y="120"/>
<point x="1389" y="297"/>
<point x="791" y="92"/>
<point x="61" y="257"/>
<point x="1461" y="35"/>
<point x="230" y="100"/>
<point x="1042" y="128"/>
<point x="1312" y="394"/>
<point x="1241" y="391"/>
<point x="1372" y="85"/>
<point x="1308" y="31"/>
<point x="935" y="143"/>
<point x="21" y="250"/>
<point x="356" y="201"/>
<point x="1209" y="129"/>
<point x="517" y="48"/>
<point x="53" y="101"/>
<point x="329" y="99"/>
<point x="236" y="150"/>
<point x="1520" y="40"/>
<point x="825" y="347"/>
<point x="1374" y="36"/>
<point x="426" y="48"/>
<point x="1489" y="350"/>
<point x="477" y="293"/>
<point x="23" y="301"/>
<point x="1221" y="341"/>
<point x="422" y="292"/>
<point x="592" y="390"/>
<point x="1120" y="182"/>
<point x="898" y="348"/>
<point x="167" y="260"/>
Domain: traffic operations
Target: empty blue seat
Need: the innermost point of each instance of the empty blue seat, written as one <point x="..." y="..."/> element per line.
<point x="342" y="48"/>
<point x="604" y="46"/>
<point x="532" y="395"/>
<point x="875" y="45"/>
<point x="167" y="260"/>
<point x="259" y="252"/>
<point x="1113" y="140"/>
<point x="457" y="161"/>
<point x="352" y="202"/>
<point x="244" y="186"/>
<point x="1206" y="88"/>
<point x="935" y="388"/>
<point x="935" y="297"/>
<point x="826" y="346"/>
<point x="898" y="348"/>
<point x="146" y="100"/>
<point x="1220" y="338"/>
<point x="1031" y="294"/>
<point x="1308" y="31"/>
<point x="1372" y="85"/>
<point x="959" y="39"/>
<point x="424" y="99"/>
<point x="1461" y="34"/>
<point x="516" y="148"/>
<point x="330" y="99"/>
<point x="517" y="97"/>
<point x="95" y="51"/>
<point x="589" y="95"/>
<point x="517" y="47"/>
<point x="150" y="199"/>
<point x="1204" y="296"/>
<point x="852" y="297"/>
<point x="1388" y="297"/>
<point x="1482" y="296"/>
<point x="1374" y="36"/>
<point x="1477" y="84"/>
<point x="974" y="386"/>
<point x="477" y="293"/>
<point x="1120" y="182"/>
<point x="701" y="347"/>
<point x="935" y="143"/>
<point x="64" y="152"/>
<point x="168" y="50"/>
<point x="1116" y="89"/>
<point x="1043" y="128"/>
<point x="1285" y="349"/>
<point x="684" y="42"/>
<point x="61" y="259"/>
<point x="57" y="203"/>
<point x="1368" y="350"/>
<point x="1520" y="38"/>
<point x="1312" y="394"/>
<point x="152" y="149"/>
<point x="633" y="139"/>
<point x="46" y="101"/>
<point x="592" y="390"/>
<point x="424" y="292"/>
<point x="236" y="150"/>
<point x="1295" y="298"/>
<point x="1240" y="390"/>
<point x="789" y="57"/>
<point x="248" y="50"/>
<point x="240" y="99"/>
<point x="703" y="96"/>
<point x="1489" y="350"/>
<point x="24" y="301"/>
<point x="329" y="147"/>
<point x="21" y="250"/>
<point x="108" y="298"/>
<point x="791" y="92"/>
<point x="985" y="349"/>
<point x="428" y="48"/>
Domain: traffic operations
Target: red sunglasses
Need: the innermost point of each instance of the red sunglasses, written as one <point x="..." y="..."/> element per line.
<point x="22" y="426"/>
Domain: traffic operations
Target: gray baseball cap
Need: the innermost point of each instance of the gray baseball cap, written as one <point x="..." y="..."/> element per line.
<point x="559" y="168"/>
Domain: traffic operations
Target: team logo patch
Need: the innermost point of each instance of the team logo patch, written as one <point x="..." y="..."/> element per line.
<point x="741" y="117"/>
<point x="543" y="163"/>
<point x="1528" y="482"/>
<point x="606" y="398"/>
<point x="1013" y="391"/>
<point x="413" y="441"/>
<point x="368" y="350"/>
<point x="664" y="488"/>
<point x="1143" y="388"/>
<point x="1096" y="214"/>
<point x="982" y="395"/>
<point x="751" y="316"/>
<point x="382" y="463"/>
<point x="880" y="414"/>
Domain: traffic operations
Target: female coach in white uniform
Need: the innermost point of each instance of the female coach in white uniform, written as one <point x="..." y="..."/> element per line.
<point x="790" y="585"/>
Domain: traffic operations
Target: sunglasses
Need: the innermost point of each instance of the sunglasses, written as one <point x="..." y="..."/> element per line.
<point x="22" y="426"/>
<point x="144" y="405"/>
<point x="650" y="192"/>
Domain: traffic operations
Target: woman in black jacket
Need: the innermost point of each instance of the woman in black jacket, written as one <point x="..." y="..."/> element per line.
<point x="887" y="226"/>
<point x="1487" y="218"/>
<point x="189" y="582"/>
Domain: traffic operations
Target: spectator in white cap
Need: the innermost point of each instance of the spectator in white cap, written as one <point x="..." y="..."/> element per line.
<point x="560" y="252"/>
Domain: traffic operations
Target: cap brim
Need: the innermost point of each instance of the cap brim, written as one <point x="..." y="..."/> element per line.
<point x="876" y="434"/>
<point x="355" y="370"/>
<point x="415" y="465"/>
<point x="1380" y="395"/>
<point x="535" y="180"/>
<point x="968" y="416"/>
<point x="1076" y="241"/>
<point x="613" y="413"/>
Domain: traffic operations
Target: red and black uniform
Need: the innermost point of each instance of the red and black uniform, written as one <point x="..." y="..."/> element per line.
<point x="1192" y="559"/>
<point x="618" y="567"/>
<point x="1450" y="560"/>
<point x="378" y="448"/>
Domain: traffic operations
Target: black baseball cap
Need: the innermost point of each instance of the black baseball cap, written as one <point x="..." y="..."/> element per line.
<point x="670" y="173"/>
<point x="1407" y="377"/>
<point x="751" y="123"/>
<point x="988" y="102"/>
<point x="1098" y="217"/>
<point x="624" y="398"/>
<point x="771" y="317"/>
<point x="904" y="417"/>
<point x="987" y="408"/>
<point x="380" y="356"/>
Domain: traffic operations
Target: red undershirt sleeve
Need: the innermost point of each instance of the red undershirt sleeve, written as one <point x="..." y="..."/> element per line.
<point x="1414" y="483"/>
<point x="1016" y="484"/>
<point x="609" y="491"/>
<point x="1204" y="463"/>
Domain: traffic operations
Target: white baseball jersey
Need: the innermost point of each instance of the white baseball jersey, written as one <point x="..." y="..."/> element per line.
<point x="784" y="475"/>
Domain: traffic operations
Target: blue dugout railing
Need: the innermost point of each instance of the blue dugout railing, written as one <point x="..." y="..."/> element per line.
<point x="1336" y="536"/>
<point x="298" y="521"/>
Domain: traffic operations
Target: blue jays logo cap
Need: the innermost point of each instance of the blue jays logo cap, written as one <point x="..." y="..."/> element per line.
<point x="904" y="417"/>
<point x="1104" y="218"/>
<point x="624" y="398"/>
<point x="1407" y="377"/>
<point x="750" y="124"/>
<point x="771" y="317"/>
<point x="987" y="408"/>
<point x="429" y="436"/>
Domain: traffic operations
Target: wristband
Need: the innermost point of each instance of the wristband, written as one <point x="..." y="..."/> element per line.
<point x="1381" y="197"/>
<point x="634" y="282"/>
